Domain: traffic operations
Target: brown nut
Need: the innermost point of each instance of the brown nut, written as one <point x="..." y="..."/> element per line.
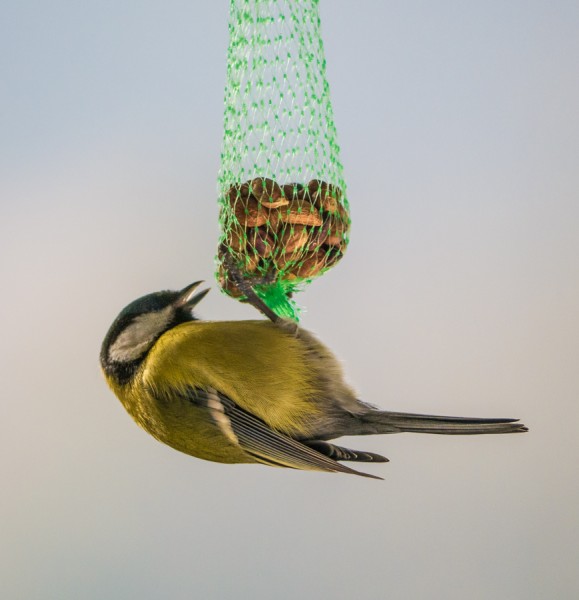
<point x="239" y="191"/>
<point x="324" y="196"/>
<point x="328" y="202"/>
<point x="285" y="260"/>
<point x="251" y="263"/>
<point x="300" y="212"/>
<point x="337" y="225"/>
<point x="292" y="191"/>
<point x="314" y="185"/>
<point x="275" y="203"/>
<point x="268" y="192"/>
<point x="331" y="254"/>
<point x="250" y="213"/>
<point x="334" y="240"/>
<point x="318" y="235"/>
<point x="261" y="242"/>
<point x="337" y="244"/>
<point x="236" y="238"/>
<point x="273" y="220"/>
<point x="311" y="264"/>
<point x="293" y="238"/>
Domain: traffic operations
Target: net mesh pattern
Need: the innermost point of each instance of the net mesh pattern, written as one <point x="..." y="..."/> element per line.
<point x="283" y="209"/>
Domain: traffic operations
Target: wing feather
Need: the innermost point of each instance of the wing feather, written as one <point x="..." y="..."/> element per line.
<point x="261" y="441"/>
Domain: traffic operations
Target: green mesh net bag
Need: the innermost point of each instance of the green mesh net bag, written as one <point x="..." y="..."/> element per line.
<point x="283" y="209"/>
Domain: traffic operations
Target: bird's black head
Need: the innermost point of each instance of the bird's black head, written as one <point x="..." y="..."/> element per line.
<point x="141" y="324"/>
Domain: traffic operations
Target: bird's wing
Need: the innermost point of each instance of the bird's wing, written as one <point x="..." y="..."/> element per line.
<point x="259" y="440"/>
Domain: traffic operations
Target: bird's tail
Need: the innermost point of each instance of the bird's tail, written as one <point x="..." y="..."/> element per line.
<point x="382" y="421"/>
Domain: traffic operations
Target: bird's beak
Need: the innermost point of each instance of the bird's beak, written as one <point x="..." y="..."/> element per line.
<point x="188" y="298"/>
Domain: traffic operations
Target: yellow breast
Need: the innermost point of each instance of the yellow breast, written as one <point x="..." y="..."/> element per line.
<point x="263" y="369"/>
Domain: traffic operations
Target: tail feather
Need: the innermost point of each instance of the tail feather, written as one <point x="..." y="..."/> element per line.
<point x="395" y="422"/>
<point x="340" y="453"/>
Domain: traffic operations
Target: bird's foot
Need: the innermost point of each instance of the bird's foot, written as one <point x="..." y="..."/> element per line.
<point x="246" y="286"/>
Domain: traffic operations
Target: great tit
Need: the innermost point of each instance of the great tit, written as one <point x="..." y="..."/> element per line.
<point x="247" y="391"/>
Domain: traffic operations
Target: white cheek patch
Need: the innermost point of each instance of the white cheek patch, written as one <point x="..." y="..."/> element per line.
<point x="138" y="337"/>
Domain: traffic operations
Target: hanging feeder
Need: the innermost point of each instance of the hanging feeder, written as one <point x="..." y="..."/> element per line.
<point x="283" y="210"/>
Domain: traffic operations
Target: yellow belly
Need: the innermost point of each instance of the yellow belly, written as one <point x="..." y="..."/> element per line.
<point x="260" y="367"/>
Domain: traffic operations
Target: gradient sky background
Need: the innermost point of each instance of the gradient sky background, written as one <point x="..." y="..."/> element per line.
<point x="459" y="128"/>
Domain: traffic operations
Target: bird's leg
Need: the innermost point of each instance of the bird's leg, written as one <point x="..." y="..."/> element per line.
<point x="256" y="301"/>
<point x="247" y="289"/>
<point x="246" y="286"/>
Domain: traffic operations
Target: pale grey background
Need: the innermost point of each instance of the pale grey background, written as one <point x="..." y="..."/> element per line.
<point x="460" y="294"/>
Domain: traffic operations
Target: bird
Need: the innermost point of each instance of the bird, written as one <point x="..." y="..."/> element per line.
<point x="260" y="391"/>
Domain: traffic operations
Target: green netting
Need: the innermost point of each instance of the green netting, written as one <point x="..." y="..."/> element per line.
<point x="283" y="209"/>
